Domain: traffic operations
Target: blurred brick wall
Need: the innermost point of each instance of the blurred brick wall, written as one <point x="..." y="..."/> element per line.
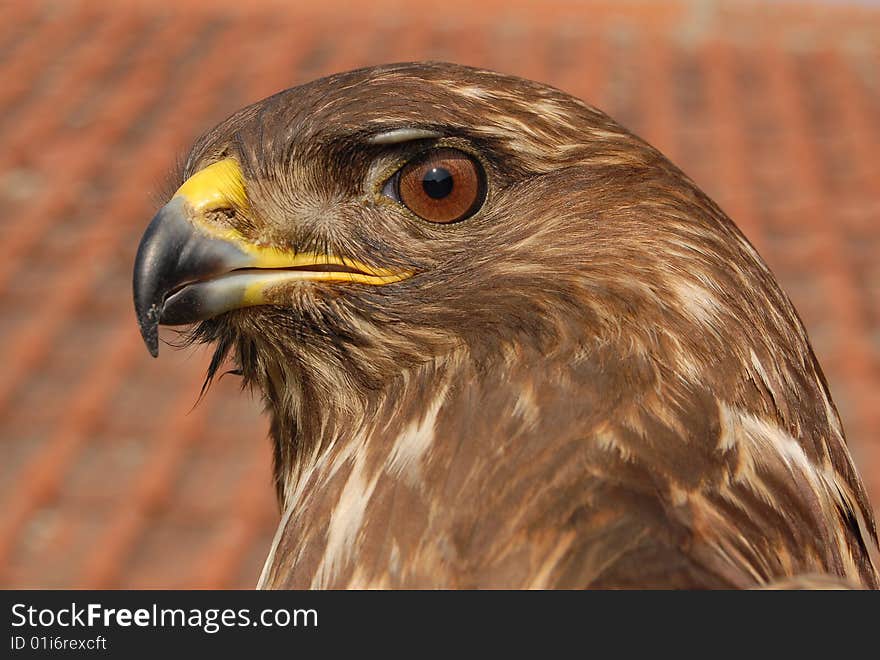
<point x="108" y="475"/>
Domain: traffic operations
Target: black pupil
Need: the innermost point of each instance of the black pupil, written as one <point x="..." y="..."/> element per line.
<point x="437" y="182"/>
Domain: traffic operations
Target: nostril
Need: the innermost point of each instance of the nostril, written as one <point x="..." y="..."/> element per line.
<point x="224" y="216"/>
<point x="225" y="212"/>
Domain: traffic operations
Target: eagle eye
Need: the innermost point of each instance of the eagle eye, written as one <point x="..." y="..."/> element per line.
<point x="443" y="185"/>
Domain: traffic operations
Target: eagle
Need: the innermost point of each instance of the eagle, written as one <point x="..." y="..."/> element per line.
<point x="503" y="342"/>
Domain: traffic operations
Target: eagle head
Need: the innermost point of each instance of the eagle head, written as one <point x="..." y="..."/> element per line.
<point x="371" y="220"/>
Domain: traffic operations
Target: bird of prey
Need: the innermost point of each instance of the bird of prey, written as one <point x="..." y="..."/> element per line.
<point x="504" y="343"/>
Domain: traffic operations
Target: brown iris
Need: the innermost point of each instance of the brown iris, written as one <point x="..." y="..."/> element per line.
<point x="443" y="185"/>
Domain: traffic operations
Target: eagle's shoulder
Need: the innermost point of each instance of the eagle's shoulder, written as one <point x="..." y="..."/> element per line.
<point x="733" y="492"/>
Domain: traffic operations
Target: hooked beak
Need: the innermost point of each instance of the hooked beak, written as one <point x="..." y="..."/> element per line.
<point x="188" y="269"/>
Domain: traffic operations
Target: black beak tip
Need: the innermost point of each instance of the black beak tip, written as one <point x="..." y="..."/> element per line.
<point x="145" y="307"/>
<point x="154" y="267"/>
<point x="150" y="333"/>
<point x="148" y="322"/>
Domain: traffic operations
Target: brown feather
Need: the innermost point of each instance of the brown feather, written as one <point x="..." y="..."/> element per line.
<point x="593" y="382"/>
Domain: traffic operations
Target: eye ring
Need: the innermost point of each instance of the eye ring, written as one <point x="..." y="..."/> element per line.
<point x="441" y="186"/>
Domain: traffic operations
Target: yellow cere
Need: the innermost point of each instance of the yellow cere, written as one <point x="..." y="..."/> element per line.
<point x="220" y="185"/>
